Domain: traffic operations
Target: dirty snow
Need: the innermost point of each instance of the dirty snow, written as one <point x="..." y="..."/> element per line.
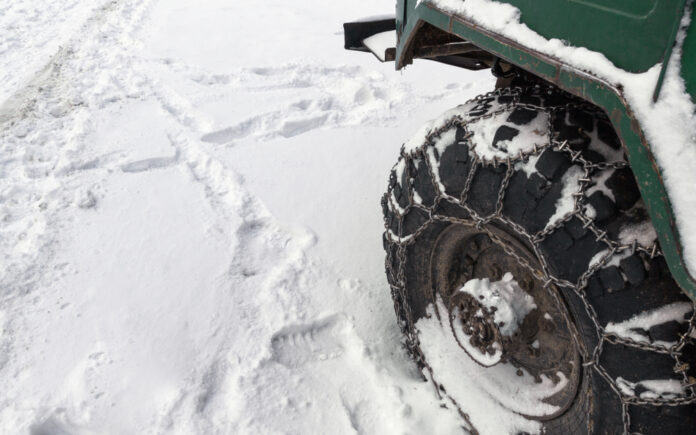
<point x="669" y="124"/>
<point x="511" y="303"/>
<point x="191" y="230"/>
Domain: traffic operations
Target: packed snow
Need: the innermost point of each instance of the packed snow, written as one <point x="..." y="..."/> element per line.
<point x="643" y="233"/>
<point x="191" y="237"/>
<point x="669" y="124"/>
<point x="566" y="202"/>
<point x="652" y="388"/>
<point x="636" y="328"/>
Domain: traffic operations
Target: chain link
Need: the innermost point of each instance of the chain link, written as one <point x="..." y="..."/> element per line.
<point x="591" y="357"/>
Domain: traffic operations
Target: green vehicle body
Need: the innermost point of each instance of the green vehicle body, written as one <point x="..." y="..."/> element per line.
<point x="634" y="34"/>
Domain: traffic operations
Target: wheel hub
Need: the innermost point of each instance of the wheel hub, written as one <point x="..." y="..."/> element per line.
<point x="539" y="343"/>
<point x="476" y="322"/>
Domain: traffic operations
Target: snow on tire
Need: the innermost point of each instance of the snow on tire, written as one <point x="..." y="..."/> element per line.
<point x="527" y="189"/>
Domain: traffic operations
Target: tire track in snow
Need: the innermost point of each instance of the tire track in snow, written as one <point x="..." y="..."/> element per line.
<point x="270" y="272"/>
<point x="27" y="51"/>
<point x="332" y="97"/>
<point x="269" y="262"/>
<point x="42" y="143"/>
<point x="241" y="217"/>
<point x="268" y="276"/>
<point x="52" y="77"/>
<point x="265" y="272"/>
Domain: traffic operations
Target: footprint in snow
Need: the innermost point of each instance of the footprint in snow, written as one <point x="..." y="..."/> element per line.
<point x="152" y="163"/>
<point x="334" y="97"/>
<point x="296" y="345"/>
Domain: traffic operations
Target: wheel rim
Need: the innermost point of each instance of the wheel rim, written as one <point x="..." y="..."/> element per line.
<point x="541" y="346"/>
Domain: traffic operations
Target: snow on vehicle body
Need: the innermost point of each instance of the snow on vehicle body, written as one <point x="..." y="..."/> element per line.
<point x="626" y="69"/>
<point x="576" y="167"/>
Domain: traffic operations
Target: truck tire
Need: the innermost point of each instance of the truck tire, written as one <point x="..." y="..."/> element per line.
<point x="529" y="189"/>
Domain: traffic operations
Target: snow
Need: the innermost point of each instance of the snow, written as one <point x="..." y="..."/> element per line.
<point x="652" y="388"/>
<point x="23" y="58"/>
<point x="511" y="303"/>
<point x="534" y="133"/>
<point x="362" y="19"/>
<point x="379" y="43"/>
<point x="669" y="124"/>
<point x="498" y="389"/>
<point x="565" y="204"/>
<point x="191" y="230"/>
<point x="637" y="326"/>
<point x="484" y="132"/>
<point x="610" y="257"/>
<point x="442" y="142"/>
<point x="533" y="136"/>
<point x="643" y="233"/>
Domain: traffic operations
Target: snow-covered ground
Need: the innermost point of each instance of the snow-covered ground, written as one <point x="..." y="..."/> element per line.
<point x="190" y="237"/>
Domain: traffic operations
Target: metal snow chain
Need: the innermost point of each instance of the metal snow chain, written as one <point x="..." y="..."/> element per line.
<point x="591" y="358"/>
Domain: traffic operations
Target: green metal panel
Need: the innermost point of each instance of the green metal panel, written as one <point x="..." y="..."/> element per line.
<point x="633" y="34"/>
<point x="688" y="69"/>
<point x="582" y="84"/>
